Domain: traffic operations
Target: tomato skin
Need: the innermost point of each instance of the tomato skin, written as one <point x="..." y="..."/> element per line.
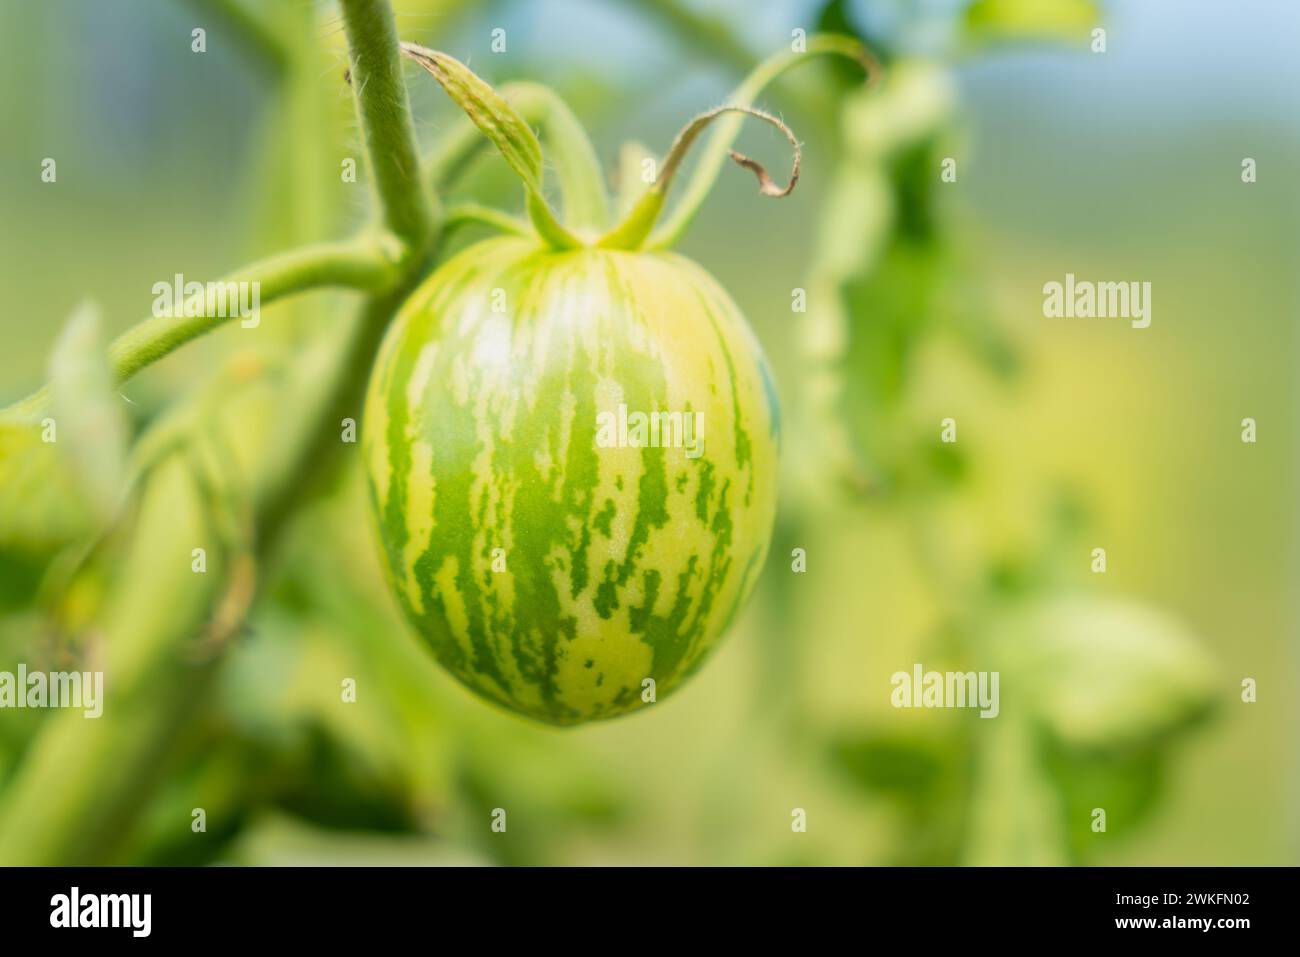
<point x="554" y="558"/>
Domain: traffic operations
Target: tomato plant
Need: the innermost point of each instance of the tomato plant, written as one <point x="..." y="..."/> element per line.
<point x="570" y="442"/>
<point x="563" y="575"/>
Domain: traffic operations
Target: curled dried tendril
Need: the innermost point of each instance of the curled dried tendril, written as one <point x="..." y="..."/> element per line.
<point x="636" y="228"/>
<point x="766" y="185"/>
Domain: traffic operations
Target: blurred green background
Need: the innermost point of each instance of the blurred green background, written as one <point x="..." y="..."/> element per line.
<point x="1072" y="435"/>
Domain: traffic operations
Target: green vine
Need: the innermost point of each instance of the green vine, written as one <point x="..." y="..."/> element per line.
<point x="152" y="619"/>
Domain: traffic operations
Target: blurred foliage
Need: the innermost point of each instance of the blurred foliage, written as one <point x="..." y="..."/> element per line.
<point x="887" y="282"/>
<point x="251" y="719"/>
<point x="1033" y="20"/>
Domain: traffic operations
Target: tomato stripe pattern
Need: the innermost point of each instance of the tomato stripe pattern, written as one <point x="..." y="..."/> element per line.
<point x="553" y="556"/>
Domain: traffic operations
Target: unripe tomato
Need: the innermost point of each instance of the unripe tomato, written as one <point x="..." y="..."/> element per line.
<point x="554" y="556"/>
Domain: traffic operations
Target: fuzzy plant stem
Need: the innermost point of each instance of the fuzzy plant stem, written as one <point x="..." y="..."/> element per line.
<point x="357" y="264"/>
<point x="353" y="265"/>
<point x="385" y="114"/>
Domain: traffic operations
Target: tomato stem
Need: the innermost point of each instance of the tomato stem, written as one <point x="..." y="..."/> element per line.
<point x="364" y="264"/>
<point x="384" y="111"/>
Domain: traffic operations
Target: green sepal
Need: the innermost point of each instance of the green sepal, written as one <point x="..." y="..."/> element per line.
<point x="501" y="124"/>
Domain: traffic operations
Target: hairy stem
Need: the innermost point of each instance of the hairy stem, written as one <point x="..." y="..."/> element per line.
<point x="358" y="264"/>
<point x="315" y="450"/>
<point x="385" y="114"/>
<point x="354" y="265"/>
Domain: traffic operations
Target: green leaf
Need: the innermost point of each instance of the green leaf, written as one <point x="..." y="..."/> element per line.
<point x="923" y="770"/>
<point x="91" y="424"/>
<point x="582" y="184"/>
<point x="835" y="17"/>
<point x="877" y="270"/>
<point x="279" y="840"/>
<point x="1031" y="19"/>
<point x="1127" y="785"/>
<point x="1107" y="674"/>
<point x="909" y="767"/>
<point x="501" y="124"/>
<point x="586" y="203"/>
<point x="61" y="474"/>
<point x="914" y="104"/>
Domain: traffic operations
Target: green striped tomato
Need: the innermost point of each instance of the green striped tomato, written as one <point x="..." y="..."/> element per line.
<point x="549" y="571"/>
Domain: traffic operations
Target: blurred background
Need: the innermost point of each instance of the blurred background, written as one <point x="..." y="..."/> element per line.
<point x="1121" y="690"/>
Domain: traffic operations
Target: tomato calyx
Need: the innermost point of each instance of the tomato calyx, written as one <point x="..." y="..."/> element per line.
<point x="585" y="202"/>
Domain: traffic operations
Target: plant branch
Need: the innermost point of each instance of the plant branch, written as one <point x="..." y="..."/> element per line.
<point x="165" y="629"/>
<point x="158" y="605"/>
<point x="384" y="110"/>
<point x="357" y="264"/>
<point x="328" y="395"/>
